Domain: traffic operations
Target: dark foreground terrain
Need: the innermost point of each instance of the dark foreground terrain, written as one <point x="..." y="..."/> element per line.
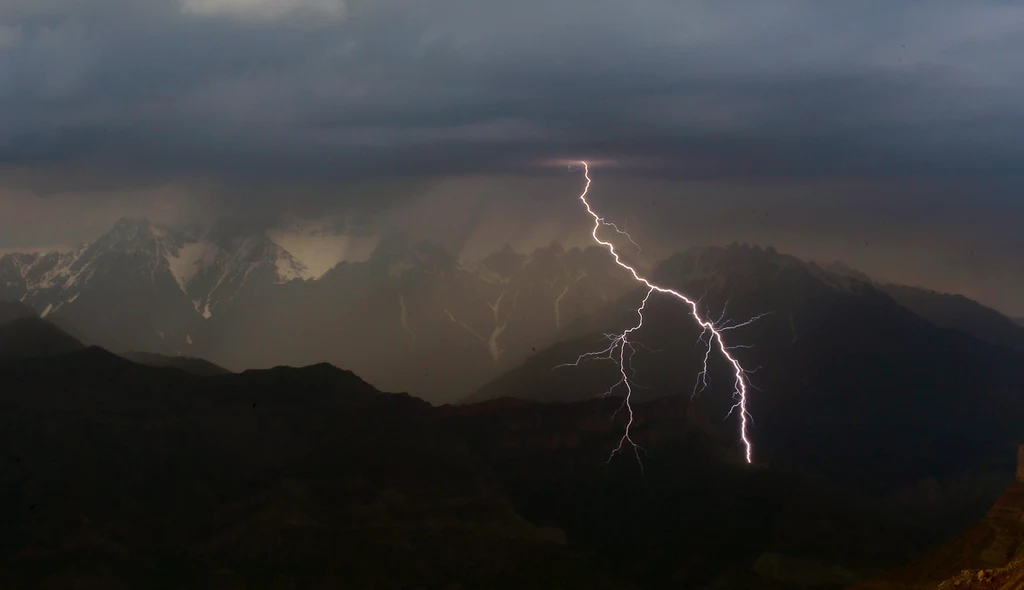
<point x="880" y="435"/>
<point x="119" y="475"/>
<point x="988" y="556"/>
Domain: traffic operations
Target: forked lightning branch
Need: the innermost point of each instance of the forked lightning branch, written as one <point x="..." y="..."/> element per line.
<point x="622" y="346"/>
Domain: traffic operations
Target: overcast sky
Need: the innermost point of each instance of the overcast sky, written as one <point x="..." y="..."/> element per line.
<point x="884" y="133"/>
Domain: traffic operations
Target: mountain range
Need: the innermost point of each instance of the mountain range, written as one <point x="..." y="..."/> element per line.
<point x="411" y="316"/>
<point x="408" y="316"/>
<point x="878" y="432"/>
<point x="844" y="374"/>
<point x="121" y="475"/>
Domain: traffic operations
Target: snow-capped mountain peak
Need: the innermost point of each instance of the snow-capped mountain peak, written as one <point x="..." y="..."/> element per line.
<point x="132" y="250"/>
<point x="318" y="247"/>
<point x="217" y="268"/>
<point x="211" y="269"/>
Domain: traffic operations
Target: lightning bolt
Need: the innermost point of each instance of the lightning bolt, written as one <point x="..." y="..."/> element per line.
<point x="621" y="347"/>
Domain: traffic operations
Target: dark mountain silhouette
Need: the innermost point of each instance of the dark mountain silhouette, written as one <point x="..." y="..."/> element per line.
<point x="24" y="335"/>
<point x="117" y="474"/>
<point x="10" y="311"/>
<point x="190" y="365"/>
<point x="946" y="310"/>
<point x="30" y="337"/>
<point x="695" y="516"/>
<point x="959" y="313"/>
<point x="120" y="475"/>
<point x="846" y="375"/>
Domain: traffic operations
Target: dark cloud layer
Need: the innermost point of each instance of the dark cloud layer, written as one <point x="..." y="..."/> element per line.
<point x="283" y="87"/>
<point x="318" y="100"/>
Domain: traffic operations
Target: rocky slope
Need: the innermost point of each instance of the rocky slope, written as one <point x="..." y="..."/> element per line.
<point x="988" y="556"/>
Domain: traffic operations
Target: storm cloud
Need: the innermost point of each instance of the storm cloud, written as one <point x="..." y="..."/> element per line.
<point x="320" y="86"/>
<point x="811" y="110"/>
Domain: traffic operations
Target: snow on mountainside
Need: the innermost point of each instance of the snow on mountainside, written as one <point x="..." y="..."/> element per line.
<point x="184" y="264"/>
<point x="221" y="266"/>
<point x="31" y="275"/>
<point x="210" y="271"/>
<point x="51" y="281"/>
<point x="319" y="247"/>
<point x="118" y="289"/>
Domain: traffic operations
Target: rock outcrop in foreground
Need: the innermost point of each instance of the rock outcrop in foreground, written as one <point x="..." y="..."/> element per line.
<point x="989" y="556"/>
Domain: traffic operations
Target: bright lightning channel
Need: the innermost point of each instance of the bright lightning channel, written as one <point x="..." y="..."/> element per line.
<point x="621" y="347"/>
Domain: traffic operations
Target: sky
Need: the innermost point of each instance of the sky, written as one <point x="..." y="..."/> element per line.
<point x="884" y="134"/>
